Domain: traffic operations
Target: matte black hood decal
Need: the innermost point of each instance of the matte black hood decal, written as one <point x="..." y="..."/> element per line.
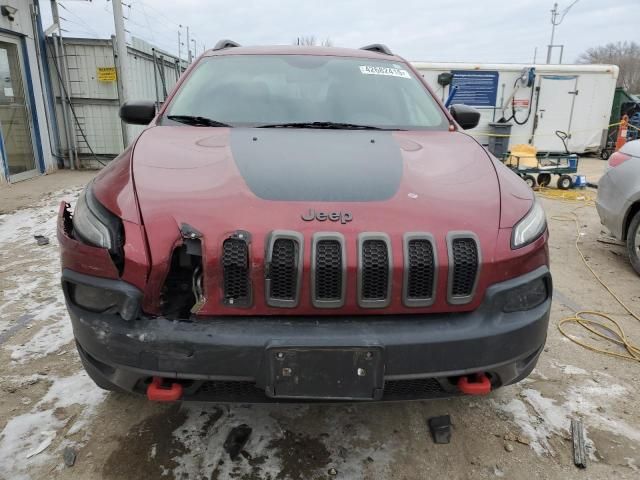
<point x="318" y="165"/>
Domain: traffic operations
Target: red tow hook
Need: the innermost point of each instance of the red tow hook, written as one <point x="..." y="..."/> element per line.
<point x="477" y="384"/>
<point x="158" y="392"/>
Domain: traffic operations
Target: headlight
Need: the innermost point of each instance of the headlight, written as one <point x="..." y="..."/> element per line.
<point x="529" y="229"/>
<point x="94" y="225"/>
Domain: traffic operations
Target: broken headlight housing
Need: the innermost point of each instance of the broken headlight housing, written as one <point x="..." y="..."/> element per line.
<point x="529" y="229"/>
<point x="94" y="225"/>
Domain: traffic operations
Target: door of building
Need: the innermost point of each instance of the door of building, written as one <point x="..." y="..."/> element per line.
<point x="16" y="139"/>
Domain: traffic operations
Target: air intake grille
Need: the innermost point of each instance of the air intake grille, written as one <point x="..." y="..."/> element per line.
<point x="375" y="270"/>
<point x="235" y="266"/>
<point x="465" y="266"/>
<point x="328" y="270"/>
<point x="421" y="269"/>
<point x="283" y="270"/>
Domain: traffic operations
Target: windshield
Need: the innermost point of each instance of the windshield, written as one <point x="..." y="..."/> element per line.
<point x="263" y="90"/>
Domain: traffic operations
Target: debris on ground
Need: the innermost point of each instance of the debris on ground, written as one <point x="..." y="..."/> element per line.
<point x="41" y="240"/>
<point x="69" y="456"/>
<point x="236" y="440"/>
<point x="579" y="447"/>
<point x="333" y="472"/>
<point x="440" y="428"/>
<point x="508" y="447"/>
<point x="49" y="435"/>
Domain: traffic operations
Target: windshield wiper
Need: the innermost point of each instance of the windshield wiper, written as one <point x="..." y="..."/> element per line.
<point x="327" y="125"/>
<point x="197" y="121"/>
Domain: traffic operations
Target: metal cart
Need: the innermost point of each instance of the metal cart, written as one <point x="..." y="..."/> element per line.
<point x="548" y="164"/>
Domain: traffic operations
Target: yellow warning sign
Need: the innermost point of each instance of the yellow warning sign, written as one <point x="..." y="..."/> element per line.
<point x="107" y="74"/>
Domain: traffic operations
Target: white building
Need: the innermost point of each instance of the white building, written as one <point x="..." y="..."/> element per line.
<point x="26" y="147"/>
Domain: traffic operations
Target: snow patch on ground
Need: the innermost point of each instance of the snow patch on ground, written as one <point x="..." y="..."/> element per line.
<point x="270" y="424"/>
<point x="541" y="417"/>
<point x="32" y="297"/>
<point x="25" y="440"/>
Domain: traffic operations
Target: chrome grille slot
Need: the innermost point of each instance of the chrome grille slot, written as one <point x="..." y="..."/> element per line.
<point x="283" y="269"/>
<point x="464" y="267"/>
<point x="419" y="270"/>
<point x="374" y="270"/>
<point x="328" y="270"/>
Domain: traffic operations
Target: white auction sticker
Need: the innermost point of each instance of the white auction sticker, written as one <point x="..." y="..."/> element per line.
<point x="386" y="71"/>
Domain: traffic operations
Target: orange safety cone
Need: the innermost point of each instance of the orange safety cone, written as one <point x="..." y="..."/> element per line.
<point x="622" y="132"/>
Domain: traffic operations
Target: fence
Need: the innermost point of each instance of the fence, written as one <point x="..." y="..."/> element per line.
<point x="88" y="74"/>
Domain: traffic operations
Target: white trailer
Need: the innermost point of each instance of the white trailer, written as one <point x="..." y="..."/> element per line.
<point x="575" y="99"/>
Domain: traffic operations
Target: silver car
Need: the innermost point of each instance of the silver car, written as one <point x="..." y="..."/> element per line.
<point x="618" y="200"/>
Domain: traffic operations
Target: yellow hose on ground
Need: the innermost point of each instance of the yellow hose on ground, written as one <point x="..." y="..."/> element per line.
<point x="607" y="328"/>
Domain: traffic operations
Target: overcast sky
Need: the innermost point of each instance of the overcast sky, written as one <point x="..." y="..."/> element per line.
<point x="457" y="30"/>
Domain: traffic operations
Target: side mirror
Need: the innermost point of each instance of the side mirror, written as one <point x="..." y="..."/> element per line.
<point x="466" y="116"/>
<point x="138" y="113"/>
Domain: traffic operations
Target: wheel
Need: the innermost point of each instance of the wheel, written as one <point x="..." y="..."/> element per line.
<point x="544" y="179"/>
<point x="565" y="182"/>
<point x="633" y="242"/>
<point x="530" y="180"/>
<point x="605" y="154"/>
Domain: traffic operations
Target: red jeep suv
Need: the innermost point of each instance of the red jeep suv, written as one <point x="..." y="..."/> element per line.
<point x="305" y="223"/>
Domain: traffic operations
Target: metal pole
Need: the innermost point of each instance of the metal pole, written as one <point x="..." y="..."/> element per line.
<point x="63" y="104"/>
<point x="554" y="15"/>
<point x="535" y="55"/>
<point x="155" y="78"/>
<point x="123" y="60"/>
<point x="195" y="47"/>
<point x="179" y="45"/>
<point x="189" y="57"/>
<point x="123" y="126"/>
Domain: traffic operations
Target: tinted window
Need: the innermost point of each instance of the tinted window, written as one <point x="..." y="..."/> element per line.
<point x="266" y="89"/>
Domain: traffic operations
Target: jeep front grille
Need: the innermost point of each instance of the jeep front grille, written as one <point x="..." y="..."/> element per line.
<point x="328" y="270"/>
<point x="284" y="269"/>
<point x="419" y="270"/>
<point x="374" y="270"/>
<point x="464" y="265"/>
<point x="330" y="278"/>
<point x="235" y="272"/>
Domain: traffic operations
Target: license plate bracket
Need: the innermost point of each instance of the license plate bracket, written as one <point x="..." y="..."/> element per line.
<point x="349" y="373"/>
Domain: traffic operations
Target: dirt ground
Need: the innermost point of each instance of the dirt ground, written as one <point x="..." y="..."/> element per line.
<point x="49" y="406"/>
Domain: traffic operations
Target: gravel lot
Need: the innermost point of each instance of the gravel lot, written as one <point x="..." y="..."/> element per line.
<point x="48" y="405"/>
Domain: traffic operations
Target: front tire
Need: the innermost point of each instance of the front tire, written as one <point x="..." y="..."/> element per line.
<point x="633" y="242"/>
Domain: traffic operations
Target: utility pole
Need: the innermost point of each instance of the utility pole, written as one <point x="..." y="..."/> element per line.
<point x="121" y="49"/>
<point x="554" y="23"/>
<point x="195" y="47"/>
<point x="189" y="57"/>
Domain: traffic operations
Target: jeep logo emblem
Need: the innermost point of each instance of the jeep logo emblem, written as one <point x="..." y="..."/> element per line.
<point x="342" y="217"/>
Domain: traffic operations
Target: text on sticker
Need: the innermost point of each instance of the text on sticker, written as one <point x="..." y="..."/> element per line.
<point x="386" y="71"/>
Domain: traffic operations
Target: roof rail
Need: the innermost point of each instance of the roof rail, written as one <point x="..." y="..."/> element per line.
<point x="225" y="44"/>
<point x="377" y="47"/>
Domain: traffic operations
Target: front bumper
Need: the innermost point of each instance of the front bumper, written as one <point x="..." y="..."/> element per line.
<point x="223" y="358"/>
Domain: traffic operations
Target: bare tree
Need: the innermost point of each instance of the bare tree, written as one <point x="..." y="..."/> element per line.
<point x="311" y="40"/>
<point x="625" y="55"/>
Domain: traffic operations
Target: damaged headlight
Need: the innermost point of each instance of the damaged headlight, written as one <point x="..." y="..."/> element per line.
<point x="529" y="229"/>
<point x="94" y="225"/>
